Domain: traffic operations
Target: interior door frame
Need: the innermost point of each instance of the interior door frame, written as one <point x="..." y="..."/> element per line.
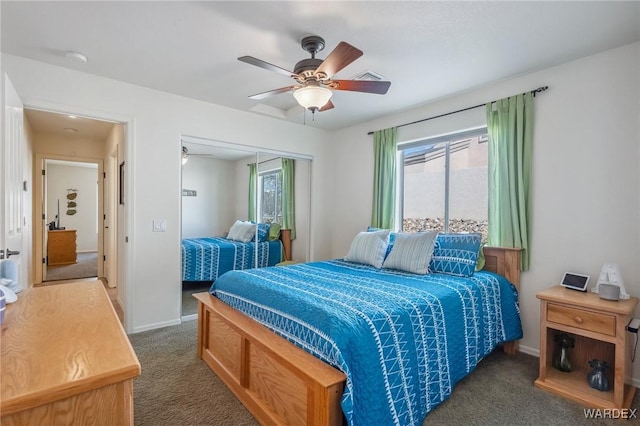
<point x="40" y="225"/>
<point x="125" y="238"/>
<point x="110" y="222"/>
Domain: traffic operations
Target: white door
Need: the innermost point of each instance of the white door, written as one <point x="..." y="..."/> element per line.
<point x="11" y="183"/>
<point x="110" y="185"/>
<point x="45" y="223"/>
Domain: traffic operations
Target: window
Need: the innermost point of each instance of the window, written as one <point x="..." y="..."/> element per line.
<point x="444" y="184"/>
<point x="270" y="194"/>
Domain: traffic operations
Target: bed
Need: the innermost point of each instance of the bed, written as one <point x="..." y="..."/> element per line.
<point x="279" y="382"/>
<point x="205" y="259"/>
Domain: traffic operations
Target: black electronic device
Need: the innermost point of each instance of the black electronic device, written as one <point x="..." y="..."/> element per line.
<point x="575" y="281"/>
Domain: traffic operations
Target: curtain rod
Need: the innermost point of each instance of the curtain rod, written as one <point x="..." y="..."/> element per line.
<point x="265" y="161"/>
<point x="533" y="92"/>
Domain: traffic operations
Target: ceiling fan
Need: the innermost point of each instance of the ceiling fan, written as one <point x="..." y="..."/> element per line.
<point x="314" y="76"/>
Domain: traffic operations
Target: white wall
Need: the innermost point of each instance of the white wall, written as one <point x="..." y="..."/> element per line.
<point x="60" y="178"/>
<point x="585" y="171"/>
<point x="302" y="199"/>
<point x="211" y="212"/>
<point x="157" y="121"/>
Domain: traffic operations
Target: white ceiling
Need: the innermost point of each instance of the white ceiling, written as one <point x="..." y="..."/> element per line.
<point x="428" y="50"/>
<point x="68" y="126"/>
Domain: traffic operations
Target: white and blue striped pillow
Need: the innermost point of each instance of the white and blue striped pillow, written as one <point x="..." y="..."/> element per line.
<point x="456" y="254"/>
<point x="411" y="252"/>
<point x="369" y="248"/>
<point x="392" y="237"/>
<point x="242" y="231"/>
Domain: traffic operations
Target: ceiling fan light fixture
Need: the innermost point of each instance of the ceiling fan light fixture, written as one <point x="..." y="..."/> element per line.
<point x="312" y="97"/>
<point x="185" y="156"/>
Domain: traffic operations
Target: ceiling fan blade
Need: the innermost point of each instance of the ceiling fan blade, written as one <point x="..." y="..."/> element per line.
<point x="340" y="57"/>
<point x="328" y="105"/>
<point x="270" y="93"/>
<point x="368" y="86"/>
<point x="266" y="65"/>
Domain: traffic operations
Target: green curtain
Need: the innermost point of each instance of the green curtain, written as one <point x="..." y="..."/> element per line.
<point x="510" y="127"/>
<point x="384" y="178"/>
<point x="253" y="191"/>
<point x="288" y="196"/>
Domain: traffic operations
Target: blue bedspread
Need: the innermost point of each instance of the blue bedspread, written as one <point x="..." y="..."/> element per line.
<point x="205" y="259"/>
<point x="402" y="340"/>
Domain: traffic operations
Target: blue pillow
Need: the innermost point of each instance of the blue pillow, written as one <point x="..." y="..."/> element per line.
<point x="455" y="254"/>
<point x="263" y="232"/>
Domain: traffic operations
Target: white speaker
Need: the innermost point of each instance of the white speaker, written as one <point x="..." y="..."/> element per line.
<point x="609" y="292"/>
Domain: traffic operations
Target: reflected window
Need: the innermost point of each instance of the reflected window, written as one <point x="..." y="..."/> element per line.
<point x="270" y="196"/>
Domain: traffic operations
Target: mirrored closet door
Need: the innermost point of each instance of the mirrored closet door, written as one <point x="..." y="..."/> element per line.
<point x="237" y="203"/>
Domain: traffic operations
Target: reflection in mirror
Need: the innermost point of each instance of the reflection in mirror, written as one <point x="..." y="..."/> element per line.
<point x="214" y="196"/>
<point x="283" y="198"/>
<point x="233" y="204"/>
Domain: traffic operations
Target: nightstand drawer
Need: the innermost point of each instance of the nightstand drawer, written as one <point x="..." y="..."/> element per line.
<point x="586" y="320"/>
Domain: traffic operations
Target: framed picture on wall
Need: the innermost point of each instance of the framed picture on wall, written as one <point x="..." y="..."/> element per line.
<point x="121" y="183"/>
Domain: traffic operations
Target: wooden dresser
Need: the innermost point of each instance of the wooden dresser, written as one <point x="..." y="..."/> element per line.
<point x="61" y="247"/>
<point x="66" y="359"/>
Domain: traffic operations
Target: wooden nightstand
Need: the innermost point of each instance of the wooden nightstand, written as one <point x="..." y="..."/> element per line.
<point x="599" y="329"/>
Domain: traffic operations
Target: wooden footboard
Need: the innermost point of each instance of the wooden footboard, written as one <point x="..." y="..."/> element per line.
<point x="276" y="381"/>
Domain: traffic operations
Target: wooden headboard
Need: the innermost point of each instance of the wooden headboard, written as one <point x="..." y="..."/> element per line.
<point x="285" y="237"/>
<point x="504" y="261"/>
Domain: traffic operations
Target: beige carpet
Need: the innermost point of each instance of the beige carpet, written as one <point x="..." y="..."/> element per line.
<point x="86" y="267"/>
<point x="177" y="388"/>
<point x="189" y="303"/>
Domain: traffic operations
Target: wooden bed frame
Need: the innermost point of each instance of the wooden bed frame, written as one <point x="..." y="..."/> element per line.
<point x="278" y="382"/>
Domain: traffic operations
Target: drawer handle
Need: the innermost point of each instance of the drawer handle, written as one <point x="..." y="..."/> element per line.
<point x="578" y="320"/>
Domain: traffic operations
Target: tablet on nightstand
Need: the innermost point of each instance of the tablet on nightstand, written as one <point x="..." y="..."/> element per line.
<point x="575" y="281"/>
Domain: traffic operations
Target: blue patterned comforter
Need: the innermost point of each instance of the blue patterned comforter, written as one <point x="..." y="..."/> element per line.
<point x="205" y="259"/>
<point x="402" y="340"/>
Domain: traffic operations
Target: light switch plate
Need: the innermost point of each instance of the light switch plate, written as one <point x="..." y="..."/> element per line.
<point x="159" y="225"/>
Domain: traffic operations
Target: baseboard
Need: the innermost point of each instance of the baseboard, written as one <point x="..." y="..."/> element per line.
<point x="191" y="317"/>
<point x="529" y="350"/>
<point x="156" y="325"/>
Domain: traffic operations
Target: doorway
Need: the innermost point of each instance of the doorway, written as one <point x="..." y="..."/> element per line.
<point x="74" y="196"/>
<point x="70" y="201"/>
